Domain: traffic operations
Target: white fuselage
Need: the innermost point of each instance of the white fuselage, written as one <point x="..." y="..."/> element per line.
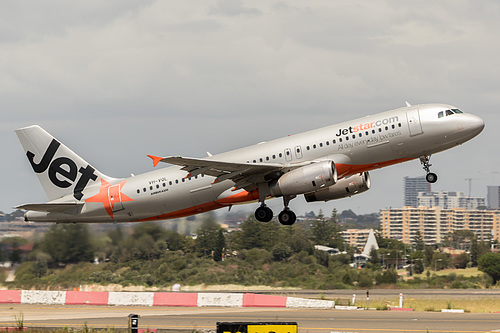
<point x="354" y="146"/>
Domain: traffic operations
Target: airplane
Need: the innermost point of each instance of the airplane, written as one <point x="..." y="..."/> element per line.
<point x="328" y="163"/>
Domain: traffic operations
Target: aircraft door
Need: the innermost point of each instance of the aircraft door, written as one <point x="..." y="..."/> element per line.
<point x="288" y="154"/>
<point x="298" y="152"/>
<point x="115" y="198"/>
<point x="413" y="118"/>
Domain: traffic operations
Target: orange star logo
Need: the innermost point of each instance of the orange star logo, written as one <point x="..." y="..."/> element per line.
<point x="110" y="196"/>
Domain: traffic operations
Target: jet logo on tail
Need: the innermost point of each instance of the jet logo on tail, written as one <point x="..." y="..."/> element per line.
<point x="62" y="171"/>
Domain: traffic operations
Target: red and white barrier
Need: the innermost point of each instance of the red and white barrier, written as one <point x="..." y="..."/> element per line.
<point x="157" y="299"/>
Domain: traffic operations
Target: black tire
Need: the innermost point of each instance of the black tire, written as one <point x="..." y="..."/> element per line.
<point x="431" y="177"/>
<point x="287" y="217"/>
<point x="263" y="214"/>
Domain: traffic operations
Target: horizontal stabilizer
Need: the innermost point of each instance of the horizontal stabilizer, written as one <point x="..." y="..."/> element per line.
<point x="51" y="207"/>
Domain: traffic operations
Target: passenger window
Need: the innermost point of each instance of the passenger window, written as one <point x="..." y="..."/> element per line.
<point x="267" y="158"/>
<point x="280" y="155"/>
<point x="157" y="186"/>
<point x="138" y="191"/>
<point x="321" y="144"/>
<point x="274" y="157"/>
<point x="340" y="140"/>
<point x="144" y="189"/>
<point x="170" y="183"/>
<point x="314" y="146"/>
<point x="151" y="188"/>
<point x="328" y="143"/>
<point x="354" y="136"/>
<point x="177" y="181"/>
<point x="334" y="142"/>
<point x="346" y="138"/>
<point x="254" y="161"/>
<point x="260" y="159"/>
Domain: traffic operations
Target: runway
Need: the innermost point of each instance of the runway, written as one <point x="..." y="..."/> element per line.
<point x="189" y="319"/>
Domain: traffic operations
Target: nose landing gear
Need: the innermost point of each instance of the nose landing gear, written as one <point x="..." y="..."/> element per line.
<point x="430" y="177"/>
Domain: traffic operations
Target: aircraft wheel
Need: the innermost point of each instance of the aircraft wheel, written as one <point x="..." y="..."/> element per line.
<point x="287" y="217"/>
<point x="431" y="177"/>
<point x="263" y="214"/>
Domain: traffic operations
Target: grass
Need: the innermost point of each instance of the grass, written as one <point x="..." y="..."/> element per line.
<point x="479" y="305"/>
<point x="467" y="272"/>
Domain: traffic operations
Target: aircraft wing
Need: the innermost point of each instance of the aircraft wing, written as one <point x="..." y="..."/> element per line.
<point x="240" y="173"/>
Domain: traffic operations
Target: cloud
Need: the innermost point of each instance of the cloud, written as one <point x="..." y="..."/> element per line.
<point x="187" y="77"/>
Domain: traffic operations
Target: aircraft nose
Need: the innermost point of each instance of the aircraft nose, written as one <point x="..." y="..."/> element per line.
<point x="476" y="124"/>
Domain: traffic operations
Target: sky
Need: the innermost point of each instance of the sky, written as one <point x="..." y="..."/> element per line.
<point x="117" y="80"/>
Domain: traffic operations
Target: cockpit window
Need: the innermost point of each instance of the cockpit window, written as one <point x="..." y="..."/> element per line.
<point x="447" y="113"/>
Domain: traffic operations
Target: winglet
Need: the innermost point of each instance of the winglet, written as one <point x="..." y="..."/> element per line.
<point x="408" y="104"/>
<point x="155" y="159"/>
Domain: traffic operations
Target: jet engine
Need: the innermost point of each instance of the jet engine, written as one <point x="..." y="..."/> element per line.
<point x="309" y="178"/>
<point x="346" y="187"/>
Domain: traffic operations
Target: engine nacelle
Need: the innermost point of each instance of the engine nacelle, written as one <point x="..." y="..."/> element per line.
<point x="346" y="187"/>
<point x="309" y="178"/>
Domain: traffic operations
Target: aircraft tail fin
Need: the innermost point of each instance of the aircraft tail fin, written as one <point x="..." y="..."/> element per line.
<point x="60" y="171"/>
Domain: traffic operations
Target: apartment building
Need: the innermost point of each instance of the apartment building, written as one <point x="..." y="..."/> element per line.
<point x="434" y="223"/>
<point x="448" y="200"/>
<point x="355" y="237"/>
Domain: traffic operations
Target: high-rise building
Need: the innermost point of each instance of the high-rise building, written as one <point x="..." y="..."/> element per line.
<point x="448" y="200"/>
<point x="494" y="197"/>
<point x="434" y="223"/>
<point x="412" y="186"/>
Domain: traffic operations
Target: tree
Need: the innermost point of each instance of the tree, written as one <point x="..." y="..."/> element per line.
<point x="281" y="252"/>
<point x="255" y="234"/>
<point x="220" y="245"/>
<point x="327" y="232"/>
<point x="490" y="264"/>
<point x="461" y="261"/>
<point x="389" y="276"/>
<point x="68" y="243"/>
<point x="477" y="250"/>
<point x="418" y="240"/>
<point x="374" y="258"/>
<point x="206" y="241"/>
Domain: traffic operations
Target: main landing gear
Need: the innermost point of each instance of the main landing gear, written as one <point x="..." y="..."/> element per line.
<point x="286" y="217"/>
<point x="430" y="177"/>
